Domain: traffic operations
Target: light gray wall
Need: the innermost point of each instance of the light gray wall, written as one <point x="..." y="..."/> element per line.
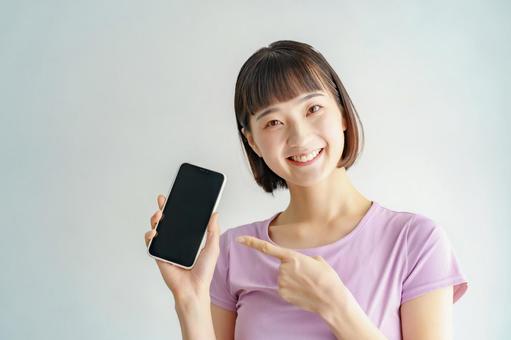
<point x="100" y="101"/>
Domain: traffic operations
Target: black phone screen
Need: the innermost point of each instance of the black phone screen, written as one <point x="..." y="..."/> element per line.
<point x="185" y="216"/>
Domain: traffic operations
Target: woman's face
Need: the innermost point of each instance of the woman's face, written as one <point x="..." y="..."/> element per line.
<point x="303" y="124"/>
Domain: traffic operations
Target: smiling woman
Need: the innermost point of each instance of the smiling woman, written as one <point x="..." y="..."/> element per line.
<point x="284" y="71"/>
<point x="333" y="264"/>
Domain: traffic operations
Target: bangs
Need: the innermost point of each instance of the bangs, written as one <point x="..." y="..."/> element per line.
<point x="281" y="79"/>
<point x="280" y="72"/>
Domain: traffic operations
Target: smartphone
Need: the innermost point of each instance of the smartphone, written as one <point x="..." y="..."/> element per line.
<point x="181" y="232"/>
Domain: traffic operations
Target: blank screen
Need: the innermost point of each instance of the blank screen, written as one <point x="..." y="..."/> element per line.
<point x="186" y="214"/>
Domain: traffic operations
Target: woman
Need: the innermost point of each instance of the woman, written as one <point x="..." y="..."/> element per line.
<point x="334" y="264"/>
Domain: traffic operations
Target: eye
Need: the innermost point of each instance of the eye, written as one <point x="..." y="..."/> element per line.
<point x="319" y="107"/>
<point x="269" y="123"/>
<point x="274" y="120"/>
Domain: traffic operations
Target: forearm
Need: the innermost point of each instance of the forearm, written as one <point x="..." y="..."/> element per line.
<point x="195" y="318"/>
<point x="349" y="322"/>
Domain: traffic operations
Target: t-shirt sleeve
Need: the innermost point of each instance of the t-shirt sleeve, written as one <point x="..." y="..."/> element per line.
<point x="431" y="262"/>
<point x="219" y="290"/>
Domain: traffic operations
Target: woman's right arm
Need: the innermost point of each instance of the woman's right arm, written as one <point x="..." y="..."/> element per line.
<point x="191" y="287"/>
<point x="203" y="320"/>
<point x="195" y="318"/>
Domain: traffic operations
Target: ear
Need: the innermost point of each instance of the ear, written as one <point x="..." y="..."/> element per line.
<point x="250" y="140"/>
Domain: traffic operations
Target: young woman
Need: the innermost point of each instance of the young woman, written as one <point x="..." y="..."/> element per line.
<point x="333" y="264"/>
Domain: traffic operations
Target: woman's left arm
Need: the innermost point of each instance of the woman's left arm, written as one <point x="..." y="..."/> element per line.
<point x="312" y="284"/>
<point x="425" y="317"/>
<point x="347" y="320"/>
<point x="428" y="316"/>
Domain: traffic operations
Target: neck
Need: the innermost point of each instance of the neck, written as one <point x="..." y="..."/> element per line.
<point x="324" y="202"/>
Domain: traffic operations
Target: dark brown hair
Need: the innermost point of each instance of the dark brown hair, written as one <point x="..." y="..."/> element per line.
<point x="280" y="72"/>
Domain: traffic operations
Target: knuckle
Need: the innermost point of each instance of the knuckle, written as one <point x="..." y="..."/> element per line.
<point x="155" y="218"/>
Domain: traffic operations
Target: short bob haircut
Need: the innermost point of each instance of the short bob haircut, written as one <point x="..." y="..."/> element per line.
<point x="280" y="72"/>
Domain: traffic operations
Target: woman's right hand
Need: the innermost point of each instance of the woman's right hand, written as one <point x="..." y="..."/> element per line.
<point x="193" y="283"/>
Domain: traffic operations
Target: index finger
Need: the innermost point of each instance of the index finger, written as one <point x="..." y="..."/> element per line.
<point x="266" y="247"/>
<point x="161" y="201"/>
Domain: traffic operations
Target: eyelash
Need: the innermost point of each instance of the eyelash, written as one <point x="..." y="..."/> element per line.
<point x="269" y="126"/>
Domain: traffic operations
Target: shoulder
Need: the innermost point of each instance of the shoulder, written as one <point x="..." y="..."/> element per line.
<point x="412" y="223"/>
<point x="407" y="228"/>
<point x="396" y="223"/>
<point x="422" y="228"/>
<point x="423" y="237"/>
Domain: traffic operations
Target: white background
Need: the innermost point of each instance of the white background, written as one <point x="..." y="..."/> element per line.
<point x="100" y="101"/>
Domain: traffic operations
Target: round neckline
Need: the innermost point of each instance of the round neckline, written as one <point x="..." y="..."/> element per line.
<point x="339" y="242"/>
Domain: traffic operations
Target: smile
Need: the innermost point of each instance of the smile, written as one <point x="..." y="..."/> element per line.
<point x="307" y="162"/>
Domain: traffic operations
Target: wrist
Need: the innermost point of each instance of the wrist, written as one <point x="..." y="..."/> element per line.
<point x="191" y="302"/>
<point x="347" y="320"/>
<point x="194" y="313"/>
<point x="334" y="304"/>
<point x="342" y="322"/>
<point x="334" y="313"/>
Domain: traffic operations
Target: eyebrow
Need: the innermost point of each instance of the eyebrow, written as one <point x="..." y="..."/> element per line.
<point x="274" y="109"/>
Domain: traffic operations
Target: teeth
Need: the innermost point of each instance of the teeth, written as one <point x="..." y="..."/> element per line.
<point x="306" y="158"/>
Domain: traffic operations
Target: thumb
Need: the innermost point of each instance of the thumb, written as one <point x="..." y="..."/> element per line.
<point x="213" y="231"/>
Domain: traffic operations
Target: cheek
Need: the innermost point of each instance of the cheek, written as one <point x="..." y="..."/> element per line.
<point x="334" y="137"/>
<point x="271" y="144"/>
<point x="332" y="129"/>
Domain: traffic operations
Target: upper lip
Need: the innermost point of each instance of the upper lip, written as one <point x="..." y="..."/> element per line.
<point x="304" y="153"/>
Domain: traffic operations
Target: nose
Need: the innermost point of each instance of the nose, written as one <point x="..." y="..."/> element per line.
<point x="299" y="135"/>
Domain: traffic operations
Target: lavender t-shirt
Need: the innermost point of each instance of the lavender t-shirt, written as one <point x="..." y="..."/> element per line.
<point x="389" y="258"/>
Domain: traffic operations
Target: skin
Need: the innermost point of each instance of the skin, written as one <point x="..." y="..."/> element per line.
<point x="190" y="288"/>
<point x="324" y="206"/>
<point x="321" y="195"/>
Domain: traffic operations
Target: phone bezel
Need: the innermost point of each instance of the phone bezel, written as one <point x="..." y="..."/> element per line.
<point x="203" y="242"/>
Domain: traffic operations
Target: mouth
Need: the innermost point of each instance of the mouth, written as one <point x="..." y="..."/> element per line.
<point x="298" y="163"/>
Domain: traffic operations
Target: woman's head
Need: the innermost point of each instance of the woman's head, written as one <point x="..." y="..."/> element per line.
<point x="278" y="77"/>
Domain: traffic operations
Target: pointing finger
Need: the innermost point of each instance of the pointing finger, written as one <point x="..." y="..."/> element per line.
<point x="266" y="247"/>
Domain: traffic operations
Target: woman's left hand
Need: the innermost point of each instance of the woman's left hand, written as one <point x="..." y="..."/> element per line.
<point x="307" y="282"/>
